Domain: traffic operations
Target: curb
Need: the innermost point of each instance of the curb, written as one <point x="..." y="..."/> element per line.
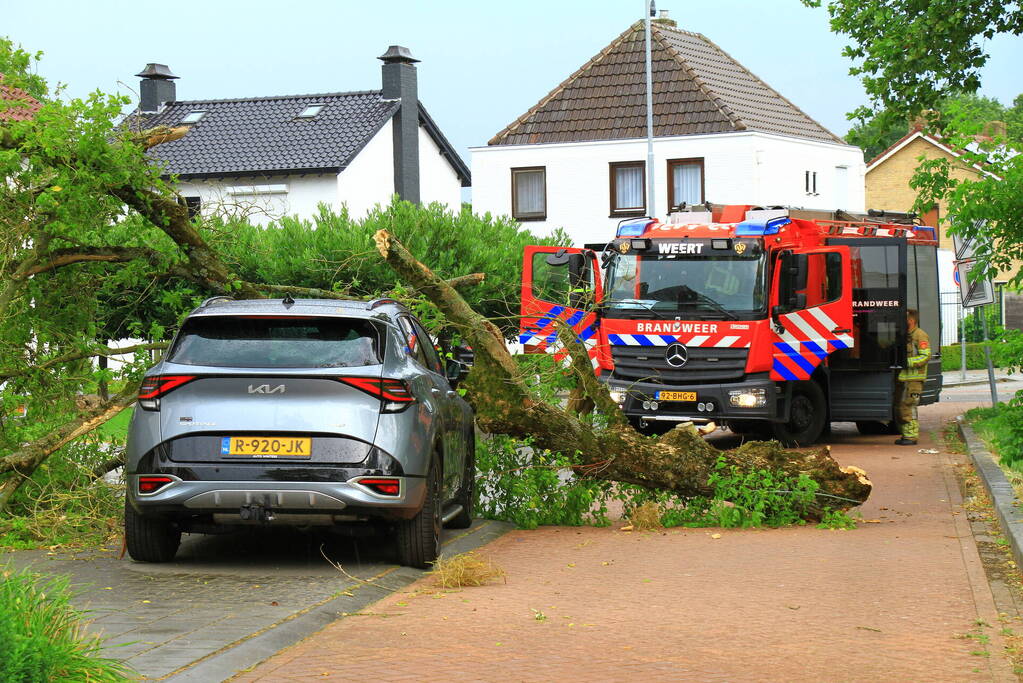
<point x="1003" y="497"/>
<point x="242" y="655"/>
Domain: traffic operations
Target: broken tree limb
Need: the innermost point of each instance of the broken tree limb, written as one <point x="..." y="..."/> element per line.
<point x="20" y="464"/>
<point x="679" y="461"/>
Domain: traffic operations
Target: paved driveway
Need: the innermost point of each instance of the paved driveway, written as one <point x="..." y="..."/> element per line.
<point x="890" y="601"/>
<point x="227" y="602"/>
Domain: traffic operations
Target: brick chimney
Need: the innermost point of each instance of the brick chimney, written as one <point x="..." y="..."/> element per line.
<point x="157" y="88"/>
<point x="399" y="83"/>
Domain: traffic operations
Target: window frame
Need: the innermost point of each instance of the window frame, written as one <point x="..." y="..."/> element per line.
<point x="531" y="215"/>
<point x="612" y="172"/>
<point x="688" y="161"/>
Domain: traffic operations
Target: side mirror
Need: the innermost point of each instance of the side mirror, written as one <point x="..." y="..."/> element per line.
<point x="458" y="366"/>
<point x="558" y="258"/>
<point x="800" y="270"/>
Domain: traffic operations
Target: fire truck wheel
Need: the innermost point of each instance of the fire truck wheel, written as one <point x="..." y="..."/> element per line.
<point x="806" y="416"/>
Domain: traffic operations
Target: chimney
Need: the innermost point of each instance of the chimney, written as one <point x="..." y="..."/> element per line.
<point x="399" y="83"/>
<point x="663" y="19"/>
<point x="157" y="88"/>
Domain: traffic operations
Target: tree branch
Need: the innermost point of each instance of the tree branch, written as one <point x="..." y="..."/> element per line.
<point x="65" y="257"/>
<point x="107" y="351"/>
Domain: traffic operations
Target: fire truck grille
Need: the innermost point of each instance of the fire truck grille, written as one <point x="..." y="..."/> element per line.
<point x="647" y="364"/>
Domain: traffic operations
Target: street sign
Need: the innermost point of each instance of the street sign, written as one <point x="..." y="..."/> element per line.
<point x="966" y="245"/>
<point x="976" y="293"/>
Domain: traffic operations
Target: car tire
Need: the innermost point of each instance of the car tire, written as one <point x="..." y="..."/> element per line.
<point x="466" y="497"/>
<point x="419" y="538"/>
<point x="149" y="539"/>
<point x="807" y="416"/>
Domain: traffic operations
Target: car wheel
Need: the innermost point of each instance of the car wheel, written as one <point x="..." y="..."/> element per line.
<point x="419" y="537"/>
<point x="466" y="497"/>
<point x="149" y="539"/>
<point x="806" y="416"/>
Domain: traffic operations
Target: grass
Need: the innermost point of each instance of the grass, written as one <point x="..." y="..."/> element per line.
<point x="466" y="569"/>
<point x="42" y="636"/>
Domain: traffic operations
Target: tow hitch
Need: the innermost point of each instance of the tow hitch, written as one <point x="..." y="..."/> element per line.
<point x="255" y="512"/>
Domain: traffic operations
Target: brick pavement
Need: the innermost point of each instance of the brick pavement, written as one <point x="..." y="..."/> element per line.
<point x="884" y="602"/>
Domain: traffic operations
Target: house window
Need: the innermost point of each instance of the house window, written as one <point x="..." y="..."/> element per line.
<point x="193" y="117"/>
<point x="810" y="182"/>
<point x="529" y="193"/>
<point x="685" y="182"/>
<point x="311" y="111"/>
<point x="628" y="188"/>
<point x="194" y="205"/>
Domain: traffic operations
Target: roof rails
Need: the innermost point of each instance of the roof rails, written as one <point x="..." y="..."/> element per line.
<point x="214" y="299"/>
<point x="375" y="303"/>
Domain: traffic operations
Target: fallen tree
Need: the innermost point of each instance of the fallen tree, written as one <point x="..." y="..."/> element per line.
<point x="679" y="461"/>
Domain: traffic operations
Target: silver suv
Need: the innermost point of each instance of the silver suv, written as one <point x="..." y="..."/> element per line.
<point x="308" y="412"/>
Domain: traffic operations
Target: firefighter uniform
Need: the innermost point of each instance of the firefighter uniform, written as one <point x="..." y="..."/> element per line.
<point x="911" y="382"/>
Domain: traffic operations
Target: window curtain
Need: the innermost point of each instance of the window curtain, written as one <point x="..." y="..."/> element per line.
<point x="529" y="192"/>
<point x="629" y="188"/>
<point x="688" y="181"/>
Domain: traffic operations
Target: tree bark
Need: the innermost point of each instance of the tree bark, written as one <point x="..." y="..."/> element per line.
<point x="679" y="461"/>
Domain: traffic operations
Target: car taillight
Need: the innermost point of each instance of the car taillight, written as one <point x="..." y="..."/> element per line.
<point x="385" y="487"/>
<point x="153" y="484"/>
<point x="154" y="387"/>
<point x="394" y="394"/>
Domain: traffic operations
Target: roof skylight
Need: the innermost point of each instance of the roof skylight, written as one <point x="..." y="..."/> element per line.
<point x="193" y="117"/>
<point x="311" y="110"/>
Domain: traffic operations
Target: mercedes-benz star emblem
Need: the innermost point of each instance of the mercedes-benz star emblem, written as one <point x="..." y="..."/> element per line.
<point x="677" y="355"/>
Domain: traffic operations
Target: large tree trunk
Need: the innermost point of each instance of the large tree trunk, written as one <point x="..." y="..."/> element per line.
<point x="679" y="461"/>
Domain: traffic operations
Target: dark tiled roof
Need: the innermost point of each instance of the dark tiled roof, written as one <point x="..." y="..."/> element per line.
<point x="18" y="104"/>
<point x="265" y="135"/>
<point x="698" y="88"/>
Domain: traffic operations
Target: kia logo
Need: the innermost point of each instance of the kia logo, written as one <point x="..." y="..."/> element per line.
<point x="677" y="355"/>
<point x="265" y="389"/>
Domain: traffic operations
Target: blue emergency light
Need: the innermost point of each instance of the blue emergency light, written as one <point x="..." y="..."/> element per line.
<point x="759" y="228"/>
<point x="633" y="228"/>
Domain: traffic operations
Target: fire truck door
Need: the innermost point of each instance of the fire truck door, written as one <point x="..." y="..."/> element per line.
<point x="558" y="283"/>
<point x="812" y="310"/>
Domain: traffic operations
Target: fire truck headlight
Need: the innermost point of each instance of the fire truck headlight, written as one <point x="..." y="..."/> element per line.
<point x="748" y="398"/>
<point x="618" y="396"/>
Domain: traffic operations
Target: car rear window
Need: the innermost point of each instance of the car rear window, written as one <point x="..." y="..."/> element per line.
<point x="277" y="342"/>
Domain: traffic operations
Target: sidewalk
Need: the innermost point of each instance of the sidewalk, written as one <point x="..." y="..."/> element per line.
<point x="889" y="601"/>
<point x="954" y="378"/>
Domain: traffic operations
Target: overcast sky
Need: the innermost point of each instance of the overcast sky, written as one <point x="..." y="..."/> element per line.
<point x="484" y="63"/>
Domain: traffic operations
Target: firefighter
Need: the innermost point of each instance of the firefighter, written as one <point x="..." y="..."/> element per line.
<point x="911" y="379"/>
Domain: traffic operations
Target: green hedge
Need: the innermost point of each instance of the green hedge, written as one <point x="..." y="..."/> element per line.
<point x="952" y="356"/>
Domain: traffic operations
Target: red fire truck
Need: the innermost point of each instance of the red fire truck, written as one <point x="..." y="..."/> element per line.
<point x="770" y="321"/>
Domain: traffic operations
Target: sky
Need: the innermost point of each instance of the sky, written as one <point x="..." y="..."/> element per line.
<point x="483" y="64"/>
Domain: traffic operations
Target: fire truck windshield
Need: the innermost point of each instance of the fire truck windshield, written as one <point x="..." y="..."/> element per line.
<point x="691" y="286"/>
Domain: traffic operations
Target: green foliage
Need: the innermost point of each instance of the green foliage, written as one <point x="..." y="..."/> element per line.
<point x="909" y="54"/>
<point x="530" y="488"/>
<point x="41" y="634"/>
<point x="336" y="252"/>
<point x="62" y="503"/>
<point x="877" y="132"/>
<point x="1002" y="427"/>
<point x="952" y="357"/>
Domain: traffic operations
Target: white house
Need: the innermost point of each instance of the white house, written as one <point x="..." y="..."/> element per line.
<point x="267" y="157"/>
<point x="577" y="158"/>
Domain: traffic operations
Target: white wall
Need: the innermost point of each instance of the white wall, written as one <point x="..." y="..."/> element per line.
<point x="369" y="179"/>
<point x="739" y="168"/>
<point x="278" y="196"/>
<point x="438" y="181"/>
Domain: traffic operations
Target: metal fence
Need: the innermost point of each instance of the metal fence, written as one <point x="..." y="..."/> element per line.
<point x="953" y="324"/>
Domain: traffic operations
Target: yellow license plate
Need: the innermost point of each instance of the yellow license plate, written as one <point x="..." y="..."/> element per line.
<point x="267" y="446"/>
<point x="675" y="396"/>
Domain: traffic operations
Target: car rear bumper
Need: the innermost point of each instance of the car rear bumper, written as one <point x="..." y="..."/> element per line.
<point x="183" y="498"/>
